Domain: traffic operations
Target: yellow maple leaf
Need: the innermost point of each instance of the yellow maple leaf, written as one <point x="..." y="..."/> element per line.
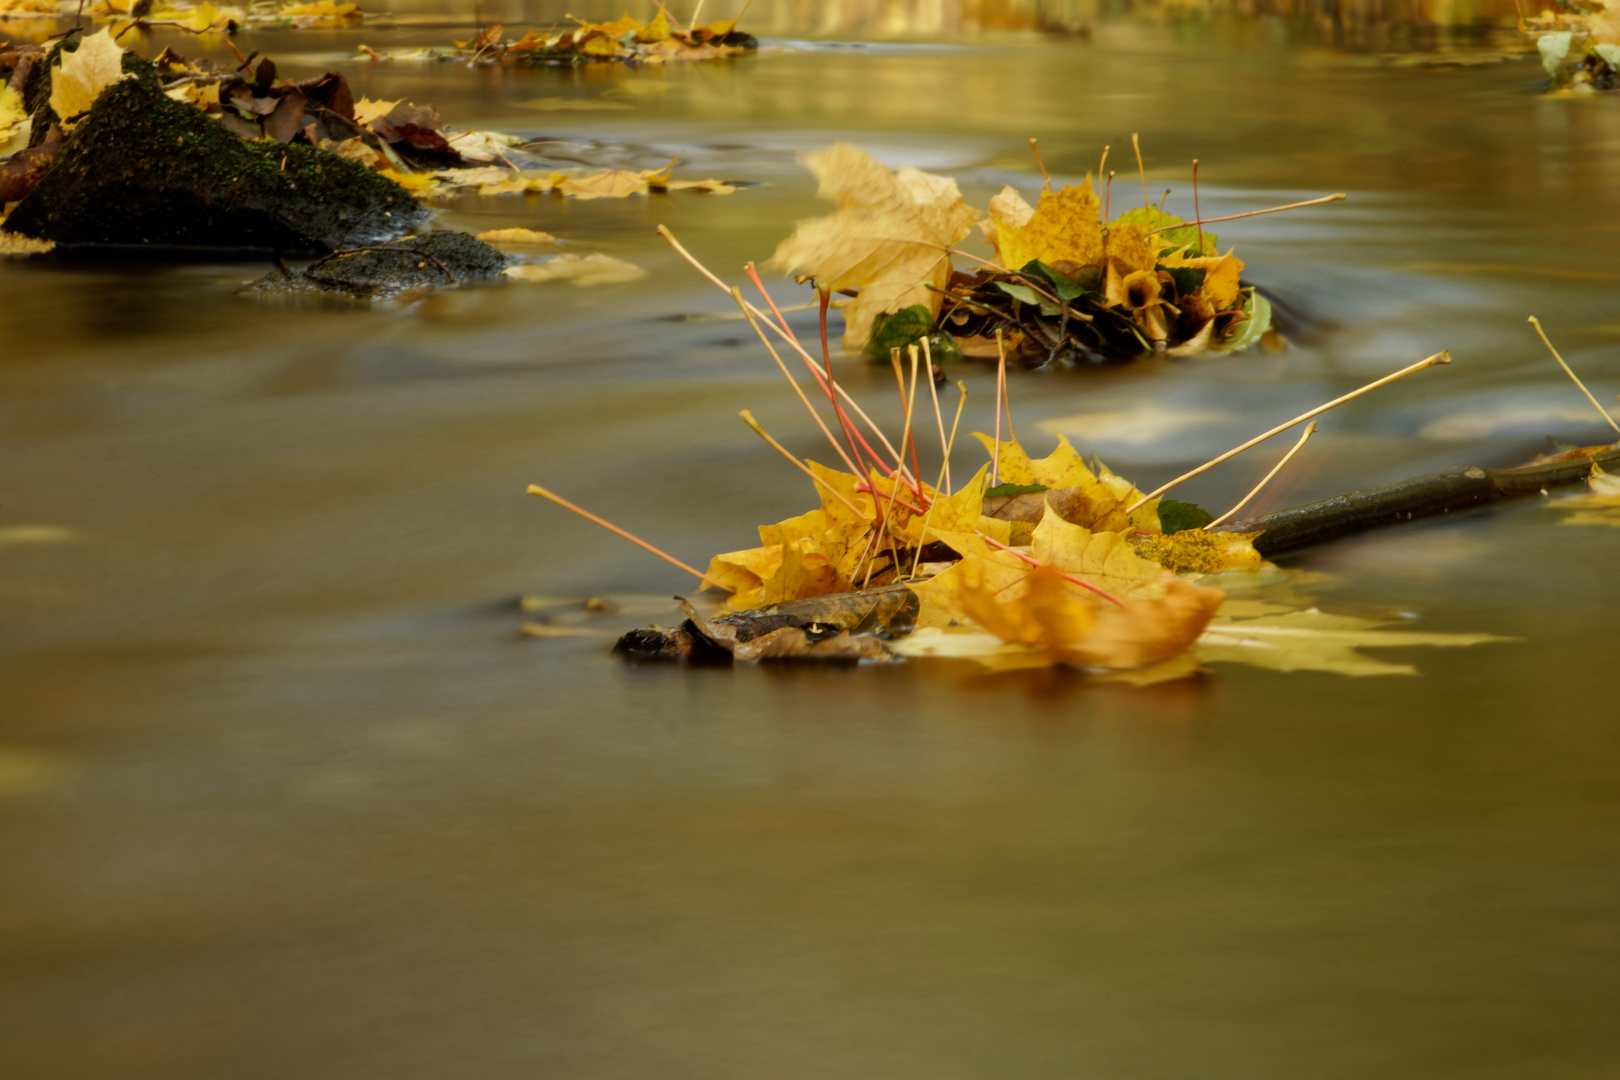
<point x="366" y="110"/>
<point x="1063" y="467"/>
<point x="593" y="269"/>
<point x="517" y="237"/>
<point x="202" y="17"/>
<point x="1194" y="551"/>
<point x="1065" y="227"/>
<point x="1311" y="640"/>
<point x="13" y="120"/>
<point x="888" y="238"/>
<point x="1051" y="619"/>
<point x="82" y="75"/>
<point x="1221" y="274"/>
<point x="614" y="184"/>
<point x="655" y="31"/>
<point x="412" y="182"/>
<point x="1007" y="208"/>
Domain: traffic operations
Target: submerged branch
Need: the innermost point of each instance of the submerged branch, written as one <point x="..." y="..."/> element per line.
<point x="1407" y="500"/>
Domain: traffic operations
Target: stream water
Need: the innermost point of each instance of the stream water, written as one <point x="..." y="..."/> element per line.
<point x="284" y="793"/>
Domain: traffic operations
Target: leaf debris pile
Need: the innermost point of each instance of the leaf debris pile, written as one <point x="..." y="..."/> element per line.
<point x="1030" y="562"/>
<point x="1066" y="282"/>
<point x="624" y="39"/>
<point x="1579" y="46"/>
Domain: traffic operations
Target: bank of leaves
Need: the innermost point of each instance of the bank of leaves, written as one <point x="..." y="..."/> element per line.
<point x="1064" y="283"/>
<point x="197" y="18"/>
<point x="1579" y="46"/>
<point x="625" y="39"/>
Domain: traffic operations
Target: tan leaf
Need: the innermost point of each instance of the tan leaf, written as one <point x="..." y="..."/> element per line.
<point x="517" y="237"/>
<point x="83" y="74"/>
<point x="887" y="239"/>
<point x="1311" y="640"/>
<point x="581" y="270"/>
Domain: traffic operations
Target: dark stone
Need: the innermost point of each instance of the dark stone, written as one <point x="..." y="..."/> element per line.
<point x="381" y="270"/>
<point x="143" y="170"/>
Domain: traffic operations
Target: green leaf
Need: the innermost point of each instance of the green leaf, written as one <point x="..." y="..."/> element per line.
<point x="1553" y="49"/>
<point x="1187" y="278"/>
<point x="1185" y="236"/>
<point x="1248" y="331"/>
<point x="1063" y="286"/>
<point x="1177" y="516"/>
<point x="1013" y="489"/>
<point x="898" y="330"/>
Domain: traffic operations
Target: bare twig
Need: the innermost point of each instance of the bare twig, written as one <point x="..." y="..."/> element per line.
<point x="1437" y="358"/>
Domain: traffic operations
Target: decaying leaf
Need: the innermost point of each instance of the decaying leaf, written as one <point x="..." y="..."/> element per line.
<point x="81" y="76"/>
<point x="889" y="238"/>
<point x="580" y="269"/>
<point x="1599" y="506"/>
<point x="1311" y="640"/>
<point x="517" y="238"/>
<point x="14" y="122"/>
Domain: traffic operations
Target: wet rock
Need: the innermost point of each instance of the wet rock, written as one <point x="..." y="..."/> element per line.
<point x="377" y="271"/>
<point x="142" y="170"/>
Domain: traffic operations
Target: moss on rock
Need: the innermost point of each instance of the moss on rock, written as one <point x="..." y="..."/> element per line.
<point x="378" y="271"/>
<point x="144" y="170"/>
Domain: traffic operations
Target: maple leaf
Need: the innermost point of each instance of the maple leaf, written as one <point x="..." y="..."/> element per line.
<point x="888" y="238"/>
<point x="14" y="122"/>
<point x="83" y="74"/>
<point x="366" y="111"/>
<point x="1599" y="506"/>
<point x="1008" y="209"/>
<point x="594" y="269"/>
<point x="518" y="237"/>
<point x="1311" y="640"/>
<point x="1065" y="226"/>
<point x="1050" y="620"/>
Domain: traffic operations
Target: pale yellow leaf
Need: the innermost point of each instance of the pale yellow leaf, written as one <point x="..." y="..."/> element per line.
<point x="581" y="270"/>
<point x="83" y="74"/>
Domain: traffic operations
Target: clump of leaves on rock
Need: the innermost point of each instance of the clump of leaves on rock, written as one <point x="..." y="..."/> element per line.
<point x="656" y="41"/>
<point x="1064" y="284"/>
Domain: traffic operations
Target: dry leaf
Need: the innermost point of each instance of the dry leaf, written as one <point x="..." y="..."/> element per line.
<point x="1051" y="618"/>
<point x="1311" y="640"/>
<point x="517" y="237"/>
<point x="83" y="74"/>
<point x="1599" y="506"/>
<point x="888" y="238"/>
<point x="581" y="270"/>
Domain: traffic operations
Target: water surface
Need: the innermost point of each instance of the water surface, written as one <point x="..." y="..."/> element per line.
<point x="283" y="792"/>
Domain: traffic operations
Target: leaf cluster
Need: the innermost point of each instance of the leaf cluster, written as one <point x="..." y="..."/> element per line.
<point x="623" y="39"/>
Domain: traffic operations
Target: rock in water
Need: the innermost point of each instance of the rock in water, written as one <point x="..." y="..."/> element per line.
<point x="379" y="271"/>
<point x="143" y="170"/>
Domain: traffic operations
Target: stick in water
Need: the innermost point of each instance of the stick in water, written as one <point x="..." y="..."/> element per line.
<point x="1310" y="429"/>
<point x="536" y="489"/>
<point x="1437" y="358"/>
<point x="1567" y="371"/>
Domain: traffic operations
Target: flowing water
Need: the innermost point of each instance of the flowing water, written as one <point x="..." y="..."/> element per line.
<point x="283" y="792"/>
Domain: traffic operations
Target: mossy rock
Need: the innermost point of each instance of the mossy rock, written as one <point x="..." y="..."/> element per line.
<point x="378" y="271"/>
<point x="143" y="170"/>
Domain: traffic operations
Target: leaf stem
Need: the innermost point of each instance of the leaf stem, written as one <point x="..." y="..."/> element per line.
<point x="536" y="489"/>
<point x="1567" y="371"/>
<point x="1310" y="429"/>
<point x="1443" y="357"/>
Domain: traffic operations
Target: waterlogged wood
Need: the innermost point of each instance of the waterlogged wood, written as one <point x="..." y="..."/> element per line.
<point x="1408" y="500"/>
